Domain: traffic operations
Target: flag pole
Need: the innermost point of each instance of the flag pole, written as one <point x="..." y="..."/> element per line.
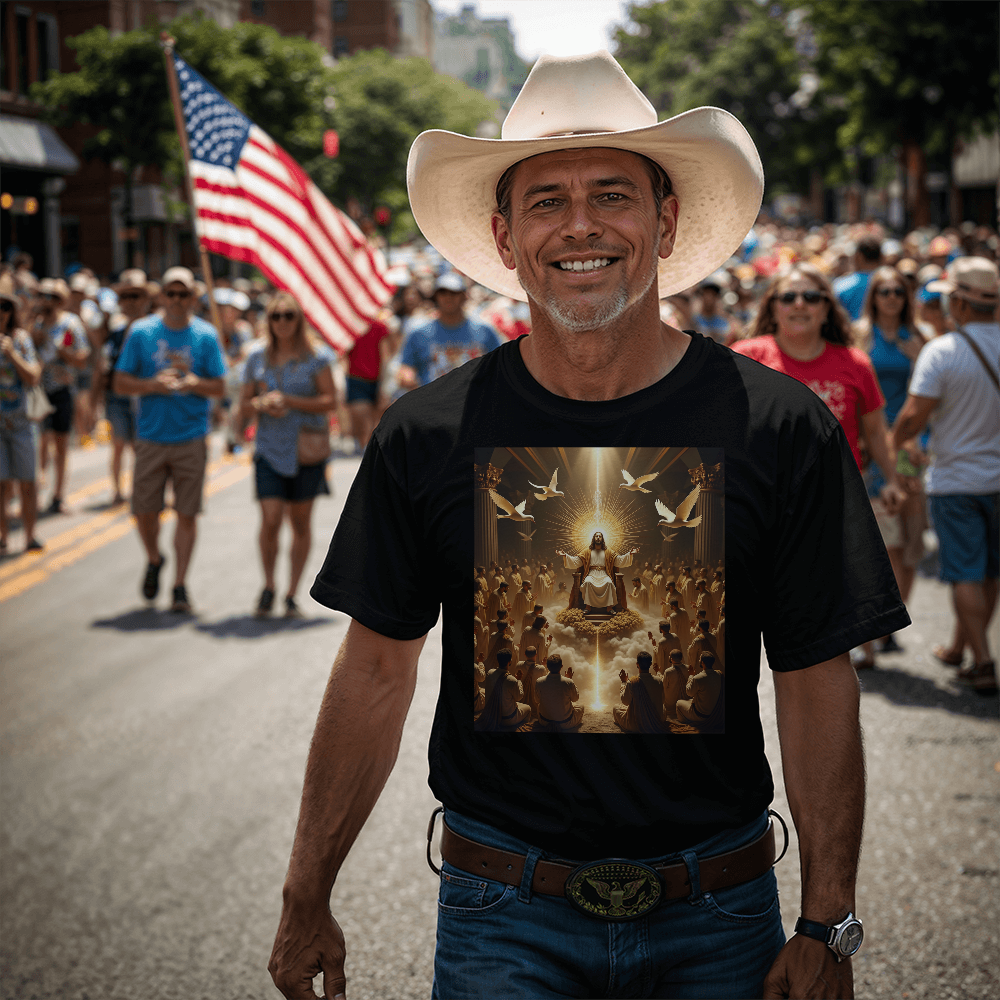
<point x="167" y="42"/>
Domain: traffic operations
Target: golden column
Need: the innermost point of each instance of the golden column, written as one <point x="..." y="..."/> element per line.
<point x="710" y="535"/>
<point x="487" y="477"/>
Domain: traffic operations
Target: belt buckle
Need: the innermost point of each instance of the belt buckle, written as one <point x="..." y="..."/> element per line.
<point x="614" y="889"/>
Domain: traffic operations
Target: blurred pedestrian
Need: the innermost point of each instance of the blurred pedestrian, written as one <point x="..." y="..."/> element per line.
<point x="709" y="319"/>
<point x="956" y="387"/>
<point x="135" y="294"/>
<point x="850" y="289"/>
<point x="62" y="346"/>
<point x="802" y="331"/>
<point x="364" y="368"/>
<point x="19" y="372"/>
<point x="173" y="363"/>
<point x="83" y="291"/>
<point x="446" y="342"/>
<point x="888" y="331"/>
<point x="288" y="386"/>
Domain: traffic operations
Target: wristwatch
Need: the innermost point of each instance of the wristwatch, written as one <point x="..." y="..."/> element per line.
<point x="843" y="939"/>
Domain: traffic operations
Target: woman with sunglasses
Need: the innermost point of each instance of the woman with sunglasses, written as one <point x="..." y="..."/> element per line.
<point x="888" y="331"/>
<point x="19" y="371"/>
<point x="802" y="330"/>
<point x="287" y="385"/>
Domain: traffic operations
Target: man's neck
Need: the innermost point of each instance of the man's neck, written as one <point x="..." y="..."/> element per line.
<point x="175" y="323"/>
<point x="452" y="322"/>
<point x="616" y="360"/>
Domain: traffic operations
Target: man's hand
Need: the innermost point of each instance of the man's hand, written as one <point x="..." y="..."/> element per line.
<point x="305" y="946"/>
<point x="6" y="346"/>
<point x="807" y="970"/>
<point x="893" y="497"/>
<point x="164" y="381"/>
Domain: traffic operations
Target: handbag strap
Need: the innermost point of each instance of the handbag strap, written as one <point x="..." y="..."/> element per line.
<point x="979" y="354"/>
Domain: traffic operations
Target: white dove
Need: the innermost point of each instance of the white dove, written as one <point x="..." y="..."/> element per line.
<point x="667" y="537"/>
<point x="514" y="513"/>
<point x="527" y="537"/>
<point x="548" y="491"/>
<point x="679" y="520"/>
<point x="636" y="484"/>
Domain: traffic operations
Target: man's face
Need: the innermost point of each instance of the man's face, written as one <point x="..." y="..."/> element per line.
<point x="49" y="305"/>
<point x="598" y="541"/>
<point x="177" y="300"/>
<point x="585" y="235"/>
<point x="133" y="303"/>
<point x="450" y="305"/>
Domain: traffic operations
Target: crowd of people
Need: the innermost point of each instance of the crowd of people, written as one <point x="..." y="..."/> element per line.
<point x="519" y="683"/>
<point x="845" y="309"/>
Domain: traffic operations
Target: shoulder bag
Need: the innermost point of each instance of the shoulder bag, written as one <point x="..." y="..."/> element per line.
<point x="313" y="442"/>
<point x="979" y="354"/>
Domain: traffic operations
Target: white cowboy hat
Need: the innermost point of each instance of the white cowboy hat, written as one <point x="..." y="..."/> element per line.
<point x="581" y="102"/>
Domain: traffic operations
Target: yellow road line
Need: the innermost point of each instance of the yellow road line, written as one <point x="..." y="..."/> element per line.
<point x="32" y="568"/>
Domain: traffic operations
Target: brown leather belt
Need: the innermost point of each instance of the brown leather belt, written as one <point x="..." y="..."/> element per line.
<point x="550" y="877"/>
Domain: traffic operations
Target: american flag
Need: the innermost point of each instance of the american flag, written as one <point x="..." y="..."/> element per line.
<point x="254" y="203"/>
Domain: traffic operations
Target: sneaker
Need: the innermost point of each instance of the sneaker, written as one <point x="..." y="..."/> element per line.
<point x="889" y="645"/>
<point x="34" y="546"/>
<point x="151" y="581"/>
<point x="265" y="603"/>
<point x="181" y="605"/>
<point x="292" y="610"/>
<point x="982" y="677"/>
<point x="56" y="507"/>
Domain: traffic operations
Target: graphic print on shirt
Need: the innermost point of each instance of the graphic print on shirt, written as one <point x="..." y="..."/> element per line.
<point x="164" y="357"/>
<point x="610" y="543"/>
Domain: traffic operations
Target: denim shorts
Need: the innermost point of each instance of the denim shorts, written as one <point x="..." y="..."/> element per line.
<point x="361" y="389"/>
<point x="968" y="530"/>
<point x="502" y="941"/>
<point x="17" y="448"/>
<point x="309" y="482"/>
<point x="120" y="411"/>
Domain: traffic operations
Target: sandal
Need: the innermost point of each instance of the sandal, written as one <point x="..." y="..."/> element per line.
<point x="941" y="654"/>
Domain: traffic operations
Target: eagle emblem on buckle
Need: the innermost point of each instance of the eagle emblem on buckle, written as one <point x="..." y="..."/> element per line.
<point x="614" y="889"/>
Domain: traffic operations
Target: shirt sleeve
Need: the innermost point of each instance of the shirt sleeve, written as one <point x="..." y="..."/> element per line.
<point x="377" y="570"/>
<point x="831" y="582"/>
<point x="129" y="361"/>
<point x="412" y="355"/>
<point x="927" y="373"/>
<point x="215" y="366"/>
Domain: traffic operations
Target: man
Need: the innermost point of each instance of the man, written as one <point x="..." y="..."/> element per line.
<point x="680" y="622"/>
<point x="710" y="320"/>
<point x="523" y="600"/>
<point x="674" y="680"/>
<point x="639" y="595"/>
<point x="446" y="342"/>
<point x="703" y="641"/>
<point x="504" y="709"/>
<point x="528" y="619"/>
<point x="955" y="386"/>
<point x="641" y="708"/>
<point x="498" y="600"/>
<point x="528" y="670"/>
<point x="557" y="696"/>
<point x="852" y="288"/>
<point x="598" y="566"/>
<point x="591" y="210"/>
<point x="173" y="363"/>
<point x="62" y="347"/>
<point x="703" y="689"/>
<point x="135" y="292"/>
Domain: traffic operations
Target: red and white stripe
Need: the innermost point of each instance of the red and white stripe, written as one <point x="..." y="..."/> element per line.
<point x="267" y="212"/>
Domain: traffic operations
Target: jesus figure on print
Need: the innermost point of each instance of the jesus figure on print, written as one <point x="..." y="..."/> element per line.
<point x="598" y="585"/>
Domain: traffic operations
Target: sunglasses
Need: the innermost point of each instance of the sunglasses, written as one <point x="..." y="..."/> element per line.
<point x="286" y="316"/>
<point x="177" y="295"/>
<point x="810" y="298"/>
<point x="50" y="297"/>
<point x="884" y="293"/>
<point x="134" y="296"/>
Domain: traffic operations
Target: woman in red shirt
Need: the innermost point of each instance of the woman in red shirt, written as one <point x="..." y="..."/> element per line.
<point x="802" y="330"/>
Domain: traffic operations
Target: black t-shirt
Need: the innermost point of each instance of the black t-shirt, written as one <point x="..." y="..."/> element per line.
<point x="805" y="567"/>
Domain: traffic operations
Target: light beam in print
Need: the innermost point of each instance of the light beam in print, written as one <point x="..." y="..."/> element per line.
<point x="623" y="549"/>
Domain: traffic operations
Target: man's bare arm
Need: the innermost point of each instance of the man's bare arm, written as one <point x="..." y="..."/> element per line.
<point x="823" y="761"/>
<point x="354" y="748"/>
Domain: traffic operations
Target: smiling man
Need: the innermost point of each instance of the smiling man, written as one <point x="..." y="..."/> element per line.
<point x="620" y="864"/>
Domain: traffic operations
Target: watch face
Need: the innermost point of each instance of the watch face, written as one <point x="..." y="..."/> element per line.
<point x="850" y="939"/>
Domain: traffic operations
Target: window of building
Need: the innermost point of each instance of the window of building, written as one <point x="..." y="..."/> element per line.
<point x="338" y="10"/>
<point x="23" y="17"/>
<point x="341" y="46"/>
<point x="256" y="8"/>
<point x="4" y="65"/>
<point x="48" y="45"/>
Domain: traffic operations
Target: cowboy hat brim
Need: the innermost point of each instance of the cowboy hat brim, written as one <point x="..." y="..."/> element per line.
<point x="712" y="163"/>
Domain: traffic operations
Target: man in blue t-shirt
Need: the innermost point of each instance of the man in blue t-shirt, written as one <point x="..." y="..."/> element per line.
<point x="852" y="288"/>
<point x="173" y="363"/>
<point x="446" y="342"/>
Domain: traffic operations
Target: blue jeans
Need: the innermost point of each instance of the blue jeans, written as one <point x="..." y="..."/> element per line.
<point x="968" y="530"/>
<point x="502" y="941"/>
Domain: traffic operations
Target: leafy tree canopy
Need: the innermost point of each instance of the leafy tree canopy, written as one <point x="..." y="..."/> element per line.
<point x="288" y="86"/>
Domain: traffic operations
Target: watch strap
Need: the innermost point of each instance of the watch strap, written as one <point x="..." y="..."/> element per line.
<point x="812" y="929"/>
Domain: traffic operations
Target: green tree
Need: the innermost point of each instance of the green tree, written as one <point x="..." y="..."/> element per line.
<point x="746" y="57"/>
<point x="913" y="76"/>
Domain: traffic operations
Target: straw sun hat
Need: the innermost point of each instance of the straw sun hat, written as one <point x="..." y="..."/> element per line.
<point x="582" y="102"/>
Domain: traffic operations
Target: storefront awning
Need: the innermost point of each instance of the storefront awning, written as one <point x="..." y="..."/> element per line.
<point x="33" y="145"/>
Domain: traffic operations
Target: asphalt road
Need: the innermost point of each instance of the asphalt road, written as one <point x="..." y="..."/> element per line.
<point x="152" y="765"/>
